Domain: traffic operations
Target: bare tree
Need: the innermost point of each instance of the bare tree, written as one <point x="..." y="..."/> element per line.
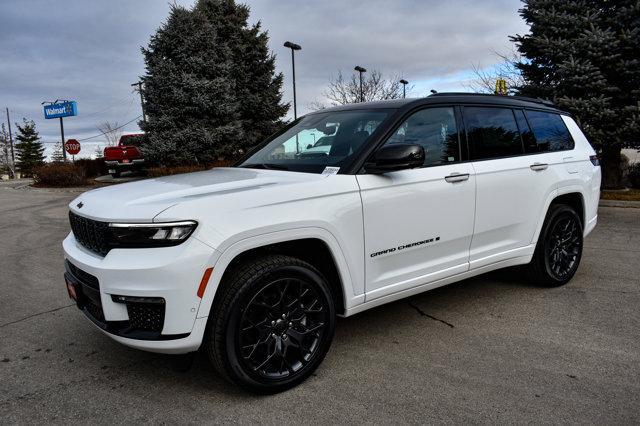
<point x="98" y="152"/>
<point x="6" y="163"/>
<point x="111" y="131"/>
<point x="346" y="90"/>
<point x="485" y="79"/>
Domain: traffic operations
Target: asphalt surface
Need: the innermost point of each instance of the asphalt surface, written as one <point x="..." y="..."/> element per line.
<point x="487" y="350"/>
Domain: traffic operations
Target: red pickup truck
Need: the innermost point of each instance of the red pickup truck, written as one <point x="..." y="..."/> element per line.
<point x="126" y="156"/>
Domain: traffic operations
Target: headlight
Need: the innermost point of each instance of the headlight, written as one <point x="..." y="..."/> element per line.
<point x="141" y="235"/>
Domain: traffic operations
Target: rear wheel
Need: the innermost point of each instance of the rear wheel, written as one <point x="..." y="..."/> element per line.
<point x="559" y="249"/>
<point x="115" y="175"/>
<point x="273" y="324"/>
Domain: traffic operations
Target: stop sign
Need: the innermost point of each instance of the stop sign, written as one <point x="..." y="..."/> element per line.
<point x="72" y="146"/>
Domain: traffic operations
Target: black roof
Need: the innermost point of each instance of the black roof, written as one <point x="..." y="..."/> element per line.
<point x="451" y="97"/>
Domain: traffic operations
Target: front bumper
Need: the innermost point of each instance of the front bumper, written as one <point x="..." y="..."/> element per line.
<point x="168" y="276"/>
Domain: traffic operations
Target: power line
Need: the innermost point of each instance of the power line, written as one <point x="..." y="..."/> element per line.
<point x="117" y="105"/>
<point x="104" y="133"/>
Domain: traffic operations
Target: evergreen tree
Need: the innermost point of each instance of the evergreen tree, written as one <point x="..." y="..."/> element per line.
<point x="585" y="56"/>
<point x="30" y="151"/>
<point x="210" y="88"/>
<point x="57" y="156"/>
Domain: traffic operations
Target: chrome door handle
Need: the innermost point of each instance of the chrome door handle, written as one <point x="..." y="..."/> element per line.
<point x="457" y="177"/>
<point x="538" y="167"/>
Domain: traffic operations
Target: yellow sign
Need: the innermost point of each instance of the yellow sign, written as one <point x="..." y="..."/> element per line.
<point x="501" y="87"/>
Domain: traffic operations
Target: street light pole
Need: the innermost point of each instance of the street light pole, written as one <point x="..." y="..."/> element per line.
<point x="293" y="48"/>
<point x="404" y="87"/>
<point x="13" y="157"/>
<point x="361" y="70"/>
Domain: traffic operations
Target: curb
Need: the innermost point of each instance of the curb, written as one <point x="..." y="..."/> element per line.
<point x="619" y="203"/>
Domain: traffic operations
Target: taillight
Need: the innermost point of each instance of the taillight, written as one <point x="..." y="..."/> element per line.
<point x="594" y="160"/>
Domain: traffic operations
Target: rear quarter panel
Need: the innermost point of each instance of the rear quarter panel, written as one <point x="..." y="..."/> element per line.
<point x="582" y="176"/>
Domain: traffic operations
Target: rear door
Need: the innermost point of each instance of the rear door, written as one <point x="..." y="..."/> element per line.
<point x="418" y="223"/>
<point x="512" y="188"/>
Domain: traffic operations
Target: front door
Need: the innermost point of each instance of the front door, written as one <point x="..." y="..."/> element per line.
<point x="418" y="223"/>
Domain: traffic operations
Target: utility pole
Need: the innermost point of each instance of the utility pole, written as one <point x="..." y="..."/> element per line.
<point x="13" y="158"/>
<point x="139" y="90"/>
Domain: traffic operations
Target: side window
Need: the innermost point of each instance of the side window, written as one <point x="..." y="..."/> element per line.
<point x="550" y="131"/>
<point x="492" y="132"/>
<point x="433" y="128"/>
<point x="528" y="139"/>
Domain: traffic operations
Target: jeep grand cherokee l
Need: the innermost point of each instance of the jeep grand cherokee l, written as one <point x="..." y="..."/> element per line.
<point x="253" y="263"/>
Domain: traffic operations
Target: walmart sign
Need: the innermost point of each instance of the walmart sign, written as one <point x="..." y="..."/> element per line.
<point x="61" y="109"/>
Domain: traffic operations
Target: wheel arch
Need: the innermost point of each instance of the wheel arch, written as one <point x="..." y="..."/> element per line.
<point x="313" y="245"/>
<point x="572" y="197"/>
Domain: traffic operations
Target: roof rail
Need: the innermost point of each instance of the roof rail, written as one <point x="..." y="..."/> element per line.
<point x="521" y="98"/>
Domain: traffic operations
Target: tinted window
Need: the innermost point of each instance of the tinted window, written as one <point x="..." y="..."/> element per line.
<point x="492" y="132"/>
<point x="435" y="130"/>
<point x="528" y="140"/>
<point x="550" y="131"/>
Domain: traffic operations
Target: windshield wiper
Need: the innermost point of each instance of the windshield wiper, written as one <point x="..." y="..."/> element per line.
<point x="267" y="166"/>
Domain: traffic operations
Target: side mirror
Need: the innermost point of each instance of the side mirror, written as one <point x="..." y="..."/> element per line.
<point x="309" y="146"/>
<point x="390" y="158"/>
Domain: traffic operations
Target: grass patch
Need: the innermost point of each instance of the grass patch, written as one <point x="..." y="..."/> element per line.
<point x="630" y="195"/>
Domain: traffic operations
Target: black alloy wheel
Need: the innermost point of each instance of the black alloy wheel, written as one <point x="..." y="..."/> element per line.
<point x="272" y="324"/>
<point x="281" y="328"/>
<point x="563" y="247"/>
<point x="559" y="249"/>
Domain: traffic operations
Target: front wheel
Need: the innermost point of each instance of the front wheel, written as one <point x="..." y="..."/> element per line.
<point x="273" y="324"/>
<point x="559" y="249"/>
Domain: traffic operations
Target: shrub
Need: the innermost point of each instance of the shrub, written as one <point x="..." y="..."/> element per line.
<point x="92" y="168"/>
<point x="167" y="171"/>
<point x="60" y="175"/>
<point x="633" y="175"/>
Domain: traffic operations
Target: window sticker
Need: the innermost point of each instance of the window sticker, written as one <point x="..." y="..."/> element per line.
<point x="330" y="171"/>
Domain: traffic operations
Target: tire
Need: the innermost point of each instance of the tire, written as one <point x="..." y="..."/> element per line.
<point x="559" y="248"/>
<point x="115" y="175"/>
<point x="262" y="335"/>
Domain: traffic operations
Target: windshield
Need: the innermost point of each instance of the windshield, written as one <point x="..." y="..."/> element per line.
<point x="317" y="141"/>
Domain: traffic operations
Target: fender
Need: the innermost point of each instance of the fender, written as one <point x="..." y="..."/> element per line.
<point x="569" y="189"/>
<point x="221" y="260"/>
<point x="547" y="203"/>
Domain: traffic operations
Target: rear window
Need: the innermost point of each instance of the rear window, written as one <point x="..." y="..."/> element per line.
<point x="550" y="132"/>
<point x="131" y="140"/>
<point x="492" y="132"/>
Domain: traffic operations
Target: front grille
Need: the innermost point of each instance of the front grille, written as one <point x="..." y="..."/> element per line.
<point x="95" y="311"/>
<point x="91" y="234"/>
<point x="146" y="316"/>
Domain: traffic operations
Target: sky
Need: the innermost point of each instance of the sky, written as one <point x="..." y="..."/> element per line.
<point x="89" y="51"/>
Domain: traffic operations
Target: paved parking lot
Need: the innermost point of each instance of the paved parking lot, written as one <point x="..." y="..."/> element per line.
<point x="487" y="350"/>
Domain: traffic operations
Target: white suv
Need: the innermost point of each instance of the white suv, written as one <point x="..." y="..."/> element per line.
<point x="253" y="263"/>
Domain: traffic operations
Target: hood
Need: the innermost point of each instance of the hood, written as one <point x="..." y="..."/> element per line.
<point x="141" y="201"/>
